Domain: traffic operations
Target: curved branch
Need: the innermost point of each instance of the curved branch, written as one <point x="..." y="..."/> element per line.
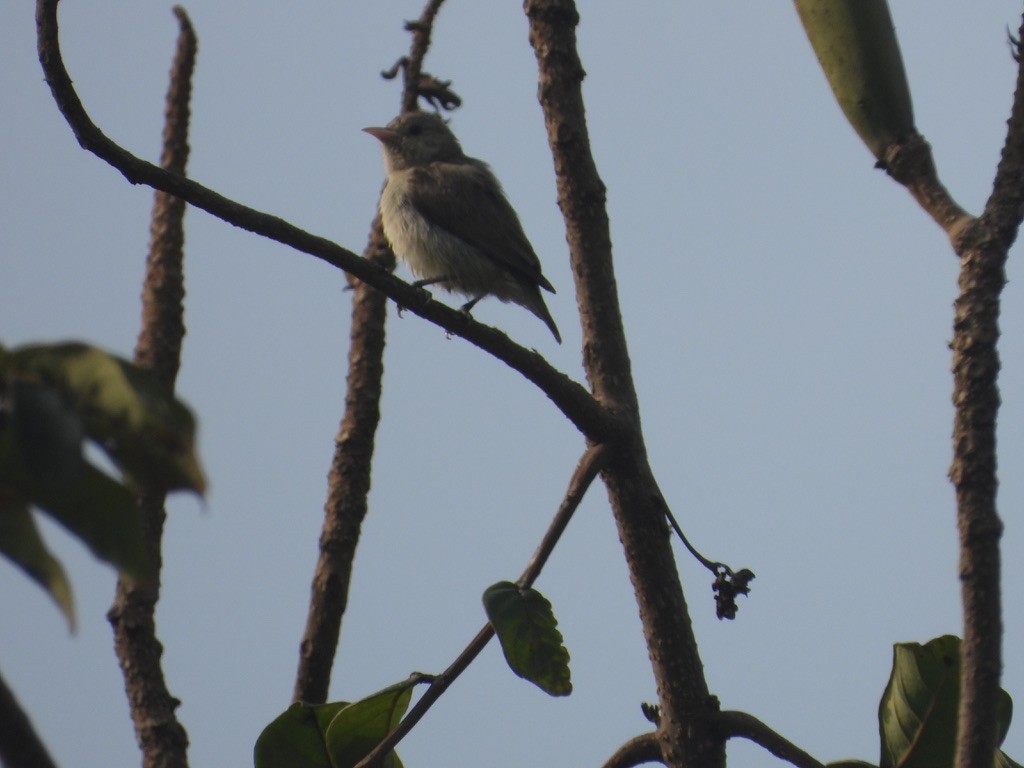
<point x="578" y="405"/>
<point x="731" y="723"/>
<point x="638" y="750"/>
<point x="586" y="470"/>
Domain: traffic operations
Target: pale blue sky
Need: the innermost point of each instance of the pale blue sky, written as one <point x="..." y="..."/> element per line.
<point x="788" y="307"/>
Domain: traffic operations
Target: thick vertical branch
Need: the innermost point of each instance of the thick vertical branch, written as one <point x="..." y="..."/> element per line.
<point x="348" y="481"/>
<point x="973" y="472"/>
<point x="983" y="254"/>
<point x="348" y="484"/>
<point x="687" y="710"/>
<point x="161" y="737"/>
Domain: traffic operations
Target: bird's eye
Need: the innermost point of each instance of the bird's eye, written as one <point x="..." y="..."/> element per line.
<point x="415" y="130"/>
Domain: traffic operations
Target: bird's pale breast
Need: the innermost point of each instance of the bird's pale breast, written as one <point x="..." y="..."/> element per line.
<point x="432" y="252"/>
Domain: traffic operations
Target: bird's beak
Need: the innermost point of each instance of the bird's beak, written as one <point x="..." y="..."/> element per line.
<point x="386" y="136"/>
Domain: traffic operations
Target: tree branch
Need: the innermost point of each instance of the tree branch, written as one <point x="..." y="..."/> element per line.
<point x="910" y="163"/>
<point x="983" y="255"/>
<point x="421" y="30"/>
<point x="733" y="723"/>
<point x="636" y="503"/>
<point x="589" y="466"/>
<point x="349" y="477"/>
<point x="982" y="245"/>
<point x="20" y="745"/>
<point x="348" y="483"/>
<point x="161" y="737"/>
<point x="638" y="750"/>
<point x="578" y="405"/>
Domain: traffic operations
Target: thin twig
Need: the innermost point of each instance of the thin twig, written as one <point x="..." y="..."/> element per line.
<point x="589" y="466"/>
<point x="596" y="422"/>
<point x="160" y="735"/>
<point x="732" y="723"/>
<point x="421" y="30"/>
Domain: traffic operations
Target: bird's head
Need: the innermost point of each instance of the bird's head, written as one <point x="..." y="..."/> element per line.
<point x="415" y="139"/>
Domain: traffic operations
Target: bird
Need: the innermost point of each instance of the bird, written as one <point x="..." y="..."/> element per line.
<point x="446" y="215"/>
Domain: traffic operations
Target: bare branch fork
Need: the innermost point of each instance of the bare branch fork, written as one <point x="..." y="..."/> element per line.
<point x="982" y="244"/>
<point x="595" y="458"/>
<point x="729" y="724"/>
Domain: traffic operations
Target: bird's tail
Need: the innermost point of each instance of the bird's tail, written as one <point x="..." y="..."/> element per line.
<point x="535" y="303"/>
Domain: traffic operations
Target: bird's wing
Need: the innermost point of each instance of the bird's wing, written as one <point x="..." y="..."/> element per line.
<point x="466" y="200"/>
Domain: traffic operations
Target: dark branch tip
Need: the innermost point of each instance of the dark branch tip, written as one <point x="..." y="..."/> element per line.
<point x="392" y="72"/>
<point x="651" y="712"/>
<point x="1014" y="44"/>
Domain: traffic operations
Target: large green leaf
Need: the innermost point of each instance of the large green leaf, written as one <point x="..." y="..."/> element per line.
<point x="52" y="397"/>
<point x="362" y="725"/>
<point x="857" y="48"/>
<point x="529" y="636"/>
<point x="105" y="515"/>
<point x="124" y="409"/>
<point x="21" y="543"/>
<point x="46" y="434"/>
<point x="335" y="735"/>
<point x="39" y="431"/>
<point x="918" y="713"/>
<point x="295" y="738"/>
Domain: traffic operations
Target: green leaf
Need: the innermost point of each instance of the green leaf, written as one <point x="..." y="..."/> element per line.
<point x="335" y="735"/>
<point x="103" y="514"/>
<point x="47" y="434"/>
<point x="856" y="46"/>
<point x="529" y="636"/>
<point x="129" y="413"/>
<point x="918" y="712"/>
<point x="362" y="725"/>
<point x="850" y="764"/>
<point x="21" y="543"/>
<point x="295" y="738"/>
